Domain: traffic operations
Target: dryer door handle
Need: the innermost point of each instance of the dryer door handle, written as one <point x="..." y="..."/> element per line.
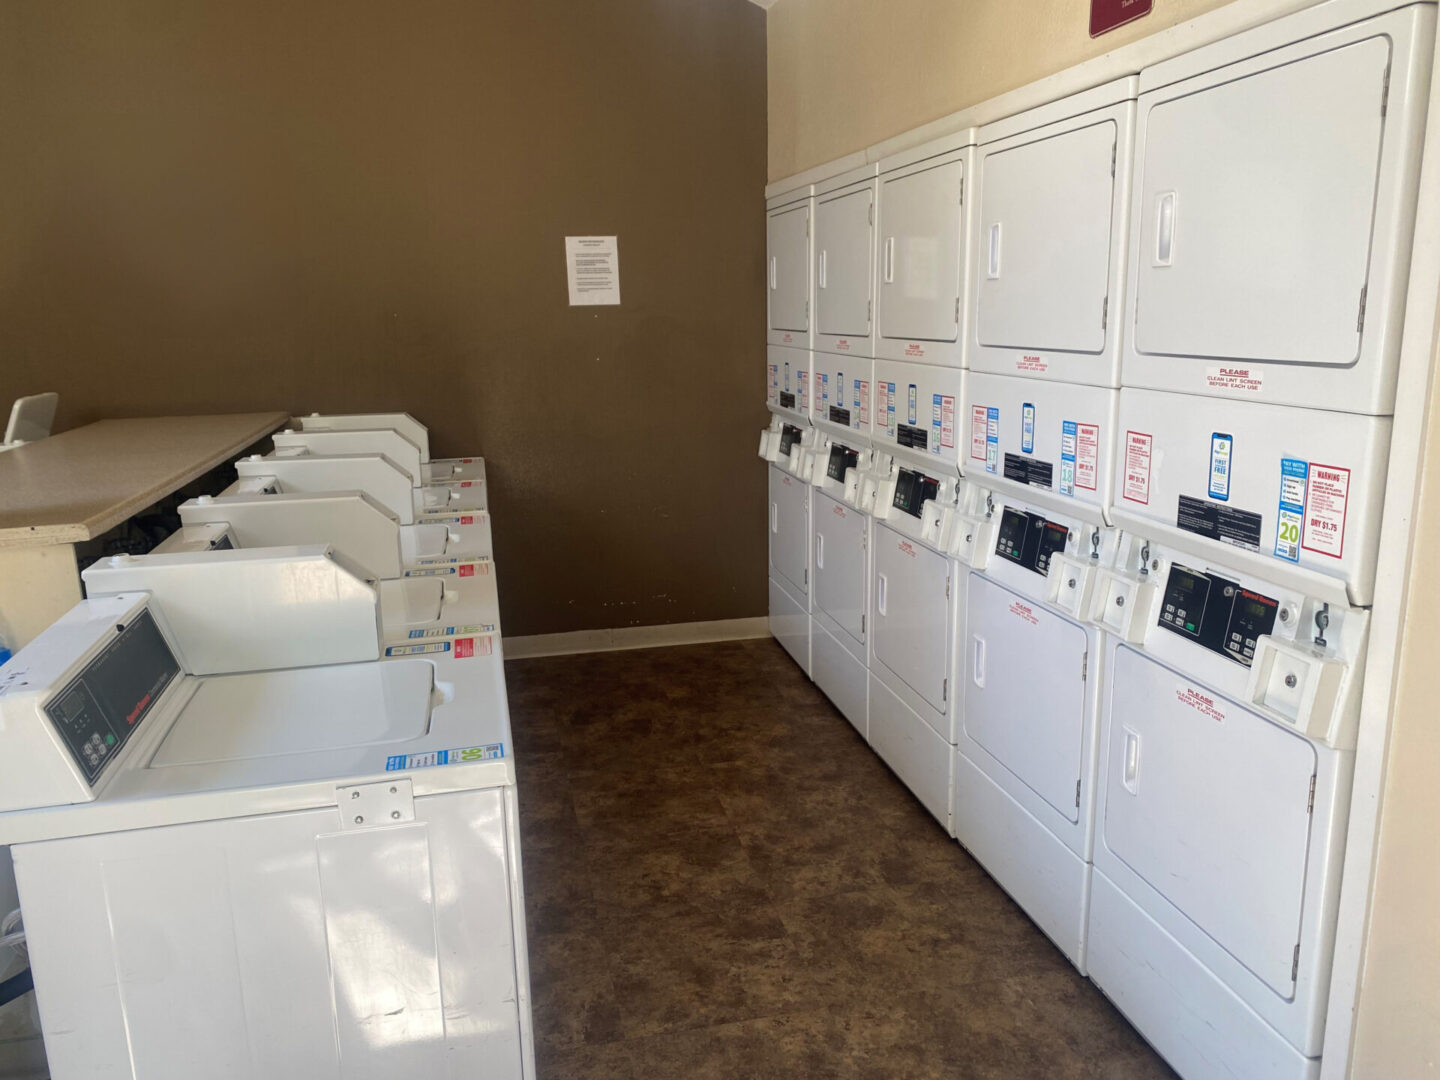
<point x="822" y="282"/>
<point x="993" y="270"/>
<point x="880" y="583"/>
<point x="1164" y="229"/>
<point x="774" y="517"/>
<point x="978" y="671"/>
<point x="774" y="277"/>
<point x="819" y="551"/>
<point x="1130" y="764"/>
<point x="888" y="261"/>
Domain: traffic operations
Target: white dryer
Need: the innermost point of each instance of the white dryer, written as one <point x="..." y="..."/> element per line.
<point x="1026" y="744"/>
<point x="922" y="257"/>
<point x="287" y="872"/>
<point x="1053" y="188"/>
<point x="843" y="462"/>
<point x="1273" y="207"/>
<point x="788" y="450"/>
<point x="1230" y="704"/>
<point x="370" y="472"/>
<point x="787" y="267"/>
<point x="844" y="271"/>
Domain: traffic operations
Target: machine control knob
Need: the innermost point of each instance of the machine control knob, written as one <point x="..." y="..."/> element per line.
<point x="1290" y="681"/>
<point x="1119" y="601"/>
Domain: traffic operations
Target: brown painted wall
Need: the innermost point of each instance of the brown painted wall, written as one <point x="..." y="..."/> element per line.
<point x="361" y="204"/>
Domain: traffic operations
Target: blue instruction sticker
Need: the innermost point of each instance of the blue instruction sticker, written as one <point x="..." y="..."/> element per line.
<point x="1068" y="438"/>
<point x="914" y="401"/>
<point x="1291" y="516"/>
<point x="992" y="439"/>
<point x="890" y="409"/>
<point x="787" y="376"/>
<point x="937" y="421"/>
<point x="459" y="756"/>
<point x="1027" y="428"/>
<point x="1221" y="449"/>
<point x="824" y="390"/>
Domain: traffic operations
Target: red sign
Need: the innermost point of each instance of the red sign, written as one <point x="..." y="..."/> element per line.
<point x="1106" y="15"/>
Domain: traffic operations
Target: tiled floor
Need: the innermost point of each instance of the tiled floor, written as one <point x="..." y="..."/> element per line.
<point x="724" y="881"/>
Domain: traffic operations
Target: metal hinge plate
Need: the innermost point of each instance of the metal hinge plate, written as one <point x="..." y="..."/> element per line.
<point x="373" y="806"/>
<point x="1310" y="804"/>
<point x="1385" y="92"/>
<point x="1360" y="318"/>
<point x="1113" y="149"/>
<point x="1084" y="666"/>
<point x="1105" y="313"/>
<point x="945" y="690"/>
<point x="1295" y="964"/>
<point x="1077" y="794"/>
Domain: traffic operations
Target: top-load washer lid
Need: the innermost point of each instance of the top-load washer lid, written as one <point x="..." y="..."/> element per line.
<point x="271" y="714"/>
<point x="411" y="601"/>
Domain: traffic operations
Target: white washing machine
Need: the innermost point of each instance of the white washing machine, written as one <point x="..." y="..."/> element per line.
<point x="436" y="471"/>
<point x="844" y="271"/>
<point x="787" y="267"/>
<point x="1053" y="188"/>
<point x="1230" y="703"/>
<point x="843" y="462"/>
<point x="358" y="527"/>
<point x="300" y="871"/>
<point x="922" y="256"/>
<point x="1274" y="197"/>
<point x="449" y="606"/>
<point x="373" y="473"/>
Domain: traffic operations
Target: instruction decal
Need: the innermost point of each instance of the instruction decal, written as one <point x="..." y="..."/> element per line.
<point x="1069" y="438"/>
<point x="1216" y="521"/>
<point x="1138" y="451"/>
<point x="1087" y="456"/>
<point x="942" y="420"/>
<point x="862" y="399"/>
<point x="1327" y="499"/>
<point x="992" y="439"/>
<point x="1244" y="380"/>
<point x="1027" y="428"/>
<point x="978" y="427"/>
<point x="1290" y="518"/>
<point x="459" y="756"/>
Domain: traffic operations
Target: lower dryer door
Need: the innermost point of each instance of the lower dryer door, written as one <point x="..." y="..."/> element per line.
<point x="913" y="628"/>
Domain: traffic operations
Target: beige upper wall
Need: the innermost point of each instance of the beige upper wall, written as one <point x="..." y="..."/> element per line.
<point x="921" y="60"/>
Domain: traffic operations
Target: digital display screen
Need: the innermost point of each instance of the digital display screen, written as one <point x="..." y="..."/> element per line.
<point x="1010" y="543"/>
<point x="96" y="713"/>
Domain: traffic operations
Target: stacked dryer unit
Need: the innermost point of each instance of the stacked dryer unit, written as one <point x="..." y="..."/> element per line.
<point x="924" y="228"/>
<point x="840" y="408"/>
<point x="1052" y="186"/>
<point x="788" y="442"/>
<point x="1274" y="187"/>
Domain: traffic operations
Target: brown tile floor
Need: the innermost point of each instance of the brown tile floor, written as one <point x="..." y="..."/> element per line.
<point x="724" y="881"/>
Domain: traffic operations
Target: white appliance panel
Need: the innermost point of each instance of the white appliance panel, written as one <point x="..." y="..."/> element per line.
<point x="913" y="629"/>
<point x="920" y="256"/>
<point x="918" y="412"/>
<point x="840" y="565"/>
<point x="790" y="530"/>
<point x="845" y="264"/>
<point x="842" y="397"/>
<point x="788" y="274"/>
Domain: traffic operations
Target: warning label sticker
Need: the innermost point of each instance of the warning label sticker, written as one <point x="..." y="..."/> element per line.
<point x="1138" y="448"/>
<point x="862" y="399"/>
<point x="1032" y="364"/>
<point x="1087" y="455"/>
<point x="1246" y="380"/>
<point x="945" y="404"/>
<point x="1327" y="495"/>
<point x="977" y="432"/>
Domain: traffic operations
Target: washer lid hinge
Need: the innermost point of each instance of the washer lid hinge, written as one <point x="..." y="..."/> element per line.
<point x="374" y="806"/>
<point x="1295" y="964"/>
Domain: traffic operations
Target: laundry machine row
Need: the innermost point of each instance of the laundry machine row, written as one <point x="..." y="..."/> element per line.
<point x="1129" y="506"/>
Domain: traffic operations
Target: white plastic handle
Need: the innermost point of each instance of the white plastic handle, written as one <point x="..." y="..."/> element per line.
<point x="774" y="517"/>
<point x="993" y="271"/>
<point x="889" y="259"/>
<point x="1130" y="767"/>
<point x="822" y="267"/>
<point x="1165" y="228"/>
<point x="773" y="277"/>
<point x="979" y="673"/>
<point x="880" y="593"/>
<point x="819" y="551"/>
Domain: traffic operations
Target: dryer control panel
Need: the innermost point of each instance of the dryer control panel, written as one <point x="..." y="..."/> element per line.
<point x="789" y="436"/>
<point x="912" y="490"/>
<point x="842" y="460"/>
<point x="1029" y="539"/>
<point x="1219" y="614"/>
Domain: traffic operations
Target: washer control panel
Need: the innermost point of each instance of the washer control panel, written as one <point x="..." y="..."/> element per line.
<point x="1029" y="539"/>
<point x="1217" y="613"/>
<point x="789" y="436"/>
<point x="98" y="710"/>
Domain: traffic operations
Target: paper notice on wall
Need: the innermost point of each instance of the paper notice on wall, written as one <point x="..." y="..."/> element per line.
<point x="593" y="266"/>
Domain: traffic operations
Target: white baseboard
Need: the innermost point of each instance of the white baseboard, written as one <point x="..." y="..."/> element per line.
<point x="635" y="637"/>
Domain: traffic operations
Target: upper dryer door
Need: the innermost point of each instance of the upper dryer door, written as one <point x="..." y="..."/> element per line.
<point x="1274" y="203"/>
<point x="921" y="259"/>
<point x="787" y="241"/>
<point x="845" y="270"/>
<point x="1049" y="240"/>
